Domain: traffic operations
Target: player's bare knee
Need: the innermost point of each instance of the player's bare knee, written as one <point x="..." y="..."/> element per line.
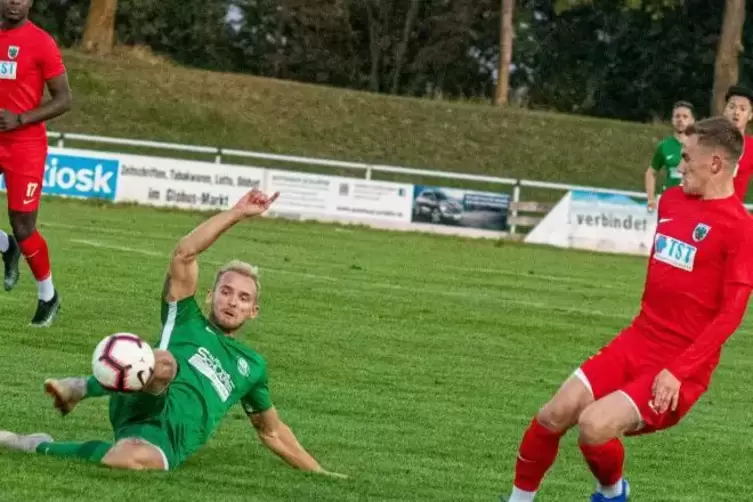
<point x="596" y="426"/>
<point x="558" y="415"/>
<point x="22" y="224"/>
<point x="134" y="454"/>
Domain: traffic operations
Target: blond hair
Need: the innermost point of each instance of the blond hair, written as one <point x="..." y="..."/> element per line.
<point x="242" y="268"/>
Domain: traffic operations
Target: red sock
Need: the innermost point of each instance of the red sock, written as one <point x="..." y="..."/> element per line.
<point x="34" y="249"/>
<point x="537" y="453"/>
<point x="605" y="460"/>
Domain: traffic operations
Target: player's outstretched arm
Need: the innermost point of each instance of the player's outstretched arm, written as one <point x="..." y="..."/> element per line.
<point x="280" y="439"/>
<point x="183" y="273"/>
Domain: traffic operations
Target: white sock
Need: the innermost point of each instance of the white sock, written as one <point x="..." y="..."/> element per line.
<point x="611" y="491"/>
<point x="4" y="243"/>
<point x="519" y="495"/>
<point x="46" y="289"/>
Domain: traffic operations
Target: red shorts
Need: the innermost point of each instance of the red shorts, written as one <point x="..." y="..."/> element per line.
<point x="629" y="364"/>
<point x="22" y="164"/>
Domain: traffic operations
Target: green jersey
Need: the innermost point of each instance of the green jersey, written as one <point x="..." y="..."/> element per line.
<point x="667" y="156"/>
<point x="215" y="372"/>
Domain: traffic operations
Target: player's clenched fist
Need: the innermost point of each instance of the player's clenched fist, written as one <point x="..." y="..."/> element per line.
<point x="666" y="392"/>
<point x="255" y="202"/>
<point x="8" y="120"/>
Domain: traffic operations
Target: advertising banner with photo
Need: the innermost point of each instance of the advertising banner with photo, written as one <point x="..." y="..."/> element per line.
<point x="338" y="198"/>
<point x="599" y="222"/>
<point x="460" y="208"/>
<point x="196" y="185"/>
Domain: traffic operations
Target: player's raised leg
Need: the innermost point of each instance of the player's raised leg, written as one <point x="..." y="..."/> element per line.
<point x="67" y="393"/>
<point x="127" y="453"/>
<point x="601" y="425"/>
<point x="540" y="444"/>
<point x="11" y="254"/>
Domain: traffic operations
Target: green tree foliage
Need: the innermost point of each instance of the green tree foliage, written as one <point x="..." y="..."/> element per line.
<point x="629" y="59"/>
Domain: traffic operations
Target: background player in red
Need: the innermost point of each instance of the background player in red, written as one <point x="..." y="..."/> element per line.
<point x="739" y="109"/>
<point x="699" y="281"/>
<point x="29" y="61"/>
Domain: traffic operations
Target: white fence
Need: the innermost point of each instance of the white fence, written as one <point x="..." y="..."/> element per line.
<point x="368" y="169"/>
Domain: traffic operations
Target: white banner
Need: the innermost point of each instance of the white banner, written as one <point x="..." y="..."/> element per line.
<point x="189" y="184"/>
<point x="598" y="222"/>
<point x="335" y="197"/>
<point x="184" y="184"/>
<point x="159" y="181"/>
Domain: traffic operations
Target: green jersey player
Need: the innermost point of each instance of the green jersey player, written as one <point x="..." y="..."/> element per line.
<point x="201" y="371"/>
<point x="668" y="153"/>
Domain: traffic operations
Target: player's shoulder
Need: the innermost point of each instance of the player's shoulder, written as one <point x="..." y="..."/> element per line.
<point x="247" y="350"/>
<point x="250" y="358"/>
<point x="41" y="36"/>
<point x="741" y="220"/>
<point x="734" y="219"/>
<point x="667" y="140"/>
<point x="674" y="195"/>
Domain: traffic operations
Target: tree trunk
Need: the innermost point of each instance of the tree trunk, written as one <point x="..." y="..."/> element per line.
<point x="402" y="47"/>
<point x="506" y="35"/>
<point x="99" y="33"/>
<point x="374" y="46"/>
<point x="726" y="67"/>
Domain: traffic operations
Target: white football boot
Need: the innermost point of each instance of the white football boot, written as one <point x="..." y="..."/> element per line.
<point x="67" y="392"/>
<point x="29" y="443"/>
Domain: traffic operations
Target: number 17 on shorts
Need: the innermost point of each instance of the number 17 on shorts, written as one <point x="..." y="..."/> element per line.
<point x="24" y="192"/>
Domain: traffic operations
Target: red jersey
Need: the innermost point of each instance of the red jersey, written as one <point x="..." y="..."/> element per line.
<point x="744" y="169"/>
<point x="29" y="57"/>
<point x="701" y="248"/>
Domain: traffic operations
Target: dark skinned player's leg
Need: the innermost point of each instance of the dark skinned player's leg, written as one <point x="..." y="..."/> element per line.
<point x="34" y="248"/>
<point x="24" y="166"/>
<point x="11" y="255"/>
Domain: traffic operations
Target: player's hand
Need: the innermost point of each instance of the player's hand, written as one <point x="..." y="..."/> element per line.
<point x="8" y="120"/>
<point x="651" y="205"/>
<point x="255" y="203"/>
<point x="666" y="392"/>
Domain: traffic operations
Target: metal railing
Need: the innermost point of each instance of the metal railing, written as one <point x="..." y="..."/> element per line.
<point x="219" y="154"/>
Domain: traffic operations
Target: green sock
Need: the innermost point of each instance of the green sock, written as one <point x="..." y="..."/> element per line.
<point x="94" y="388"/>
<point x="93" y="451"/>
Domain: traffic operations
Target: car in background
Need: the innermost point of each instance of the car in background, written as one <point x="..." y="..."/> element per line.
<point x="437" y="207"/>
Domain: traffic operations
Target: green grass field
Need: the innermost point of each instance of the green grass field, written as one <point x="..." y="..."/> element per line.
<point x="134" y="95"/>
<point x="410" y="362"/>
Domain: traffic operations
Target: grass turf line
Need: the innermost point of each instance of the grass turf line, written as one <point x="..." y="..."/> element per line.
<point x="410" y="362"/>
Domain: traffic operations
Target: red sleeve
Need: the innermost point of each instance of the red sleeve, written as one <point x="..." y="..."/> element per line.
<point x="738" y="284"/>
<point x="744" y="170"/>
<point x="50" y="58"/>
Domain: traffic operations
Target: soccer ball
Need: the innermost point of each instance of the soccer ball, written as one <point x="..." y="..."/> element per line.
<point x="123" y="362"/>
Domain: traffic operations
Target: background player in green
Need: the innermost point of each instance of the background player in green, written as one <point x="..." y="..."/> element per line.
<point x="668" y="153"/>
<point x="201" y="370"/>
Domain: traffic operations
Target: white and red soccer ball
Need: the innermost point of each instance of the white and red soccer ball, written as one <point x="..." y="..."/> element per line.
<point x="123" y="362"/>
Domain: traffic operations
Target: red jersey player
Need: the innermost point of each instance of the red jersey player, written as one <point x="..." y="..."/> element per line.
<point x="29" y="60"/>
<point x="739" y="109"/>
<point x="699" y="281"/>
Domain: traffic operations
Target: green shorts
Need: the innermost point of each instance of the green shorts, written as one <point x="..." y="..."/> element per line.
<point x="150" y="418"/>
